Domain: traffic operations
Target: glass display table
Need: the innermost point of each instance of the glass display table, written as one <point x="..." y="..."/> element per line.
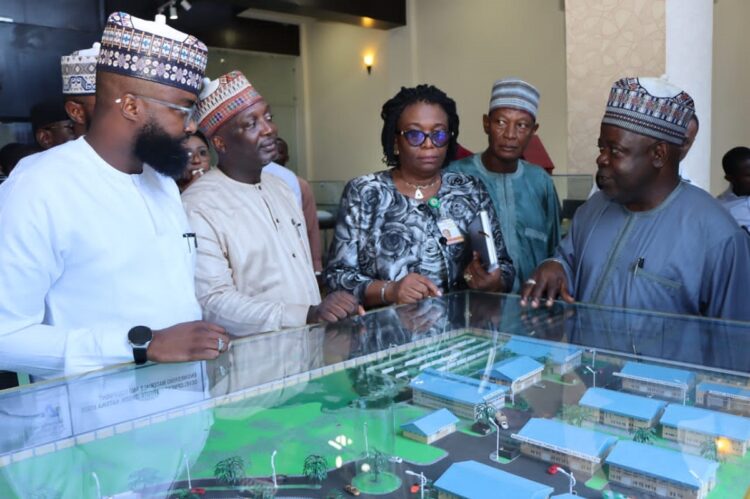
<point x="468" y="395"/>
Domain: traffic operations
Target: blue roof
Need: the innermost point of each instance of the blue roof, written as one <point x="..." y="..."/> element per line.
<point x="431" y="423"/>
<point x="658" y="373"/>
<point x="728" y="389"/>
<point x="513" y="368"/>
<point x="662" y="463"/>
<point x="455" y="387"/>
<point x="713" y="423"/>
<point x="537" y="349"/>
<point x="567" y="437"/>
<point x="566" y="495"/>
<point x="624" y="404"/>
<point x="478" y="481"/>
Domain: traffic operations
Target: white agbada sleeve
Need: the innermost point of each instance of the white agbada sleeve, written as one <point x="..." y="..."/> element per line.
<point x="30" y="262"/>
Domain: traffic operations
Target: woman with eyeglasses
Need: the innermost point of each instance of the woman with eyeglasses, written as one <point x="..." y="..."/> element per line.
<point x="199" y="160"/>
<point x="402" y="234"/>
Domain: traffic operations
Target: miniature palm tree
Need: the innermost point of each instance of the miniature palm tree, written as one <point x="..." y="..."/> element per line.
<point x="230" y="470"/>
<point x="378" y="462"/>
<point x="483" y="412"/>
<point x="315" y="468"/>
<point x="709" y="450"/>
<point x="573" y="414"/>
<point x="643" y="435"/>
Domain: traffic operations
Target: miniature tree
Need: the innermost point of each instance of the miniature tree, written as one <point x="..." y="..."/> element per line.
<point x="709" y="450"/>
<point x="378" y="462"/>
<point x="643" y="435"/>
<point x="549" y="364"/>
<point x="315" y="468"/>
<point x="483" y="412"/>
<point x="573" y="414"/>
<point x="142" y="478"/>
<point x="521" y="404"/>
<point x="230" y="470"/>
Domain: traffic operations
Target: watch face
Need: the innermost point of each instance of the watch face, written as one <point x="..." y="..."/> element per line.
<point x="140" y="335"/>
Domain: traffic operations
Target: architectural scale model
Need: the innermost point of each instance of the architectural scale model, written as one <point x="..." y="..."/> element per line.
<point x="728" y="398"/>
<point x="658" y="381"/>
<point x="517" y="373"/>
<point x="696" y="426"/>
<point x="664" y="472"/>
<point x="480" y="481"/>
<point x="431" y="427"/>
<point x="560" y="443"/>
<point x="563" y="358"/>
<point x="622" y="410"/>
<point x="460" y="394"/>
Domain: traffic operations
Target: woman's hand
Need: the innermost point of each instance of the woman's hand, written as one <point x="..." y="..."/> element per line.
<point x="478" y="278"/>
<point x="411" y="289"/>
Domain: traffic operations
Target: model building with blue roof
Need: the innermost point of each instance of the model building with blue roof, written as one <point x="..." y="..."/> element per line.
<point x="694" y="426"/>
<point x="622" y="410"/>
<point x="658" y="381"/>
<point x="728" y="398"/>
<point x="460" y="394"/>
<point x="650" y="468"/>
<point x="561" y="443"/>
<point x="431" y="427"/>
<point x="564" y="358"/>
<point x="517" y="373"/>
<point x="479" y="481"/>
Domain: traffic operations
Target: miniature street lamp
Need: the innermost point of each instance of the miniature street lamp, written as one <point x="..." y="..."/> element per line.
<point x="98" y="487"/>
<point x="422" y="481"/>
<point x="273" y="469"/>
<point x="495" y="456"/>
<point x="367" y="447"/>
<point x="187" y="467"/>
<point x="593" y="372"/>
<point x="555" y="468"/>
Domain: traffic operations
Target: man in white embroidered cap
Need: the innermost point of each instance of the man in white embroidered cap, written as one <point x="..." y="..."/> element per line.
<point x="98" y="257"/>
<point x="648" y="240"/>
<point x="79" y="86"/>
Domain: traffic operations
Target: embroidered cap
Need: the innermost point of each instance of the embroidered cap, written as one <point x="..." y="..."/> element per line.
<point x="650" y="106"/>
<point x="79" y="71"/>
<point x="223" y="98"/>
<point x="516" y="94"/>
<point x="152" y="51"/>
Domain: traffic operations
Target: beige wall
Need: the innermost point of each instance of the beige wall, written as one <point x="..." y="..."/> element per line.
<point x="606" y="40"/>
<point x="731" y="81"/>
<point x="461" y="47"/>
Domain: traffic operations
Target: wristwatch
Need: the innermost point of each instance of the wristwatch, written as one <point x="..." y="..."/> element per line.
<point x="139" y="338"/>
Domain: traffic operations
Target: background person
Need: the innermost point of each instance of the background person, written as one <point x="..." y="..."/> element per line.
<point x="736" y="199"/>
<point x="522" y="193"/>
<point x="388" y="245"/>
<point x="79" y="87"/>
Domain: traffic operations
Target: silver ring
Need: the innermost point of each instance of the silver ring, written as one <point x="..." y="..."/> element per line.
<point x="221" y="344"/>
<point x="531" y="281"/>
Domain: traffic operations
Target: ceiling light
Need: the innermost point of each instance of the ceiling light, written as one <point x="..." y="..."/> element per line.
<point x="172" y="11"/>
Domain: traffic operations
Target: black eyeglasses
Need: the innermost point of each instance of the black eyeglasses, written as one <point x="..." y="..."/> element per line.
<point x="416" y="138"/>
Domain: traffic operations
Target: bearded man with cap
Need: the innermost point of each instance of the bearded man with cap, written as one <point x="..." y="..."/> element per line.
<point x="522" y="193"/>
<point x="79" y="86"/>
<point x="254" y="271"/>
<point x="648" y="240"/>
<point x="98" y="257"/>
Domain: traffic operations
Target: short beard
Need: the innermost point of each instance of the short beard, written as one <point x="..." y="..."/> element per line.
<point x="163" y="153"/>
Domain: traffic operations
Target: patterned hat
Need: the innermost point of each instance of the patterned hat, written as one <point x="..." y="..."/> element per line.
<point x="152" y="51"/>
<point x="79" y="71"/>
<point x="223" y="98"/>
<point x="515" y="93"/>
<point x="649" y="106"/>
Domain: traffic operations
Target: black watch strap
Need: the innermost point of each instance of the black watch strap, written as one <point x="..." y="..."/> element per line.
<point x="139" y="338"/>
<point x="139" y="354"/>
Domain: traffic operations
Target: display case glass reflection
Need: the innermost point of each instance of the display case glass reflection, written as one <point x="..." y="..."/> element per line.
<point x="469" y="395"/>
